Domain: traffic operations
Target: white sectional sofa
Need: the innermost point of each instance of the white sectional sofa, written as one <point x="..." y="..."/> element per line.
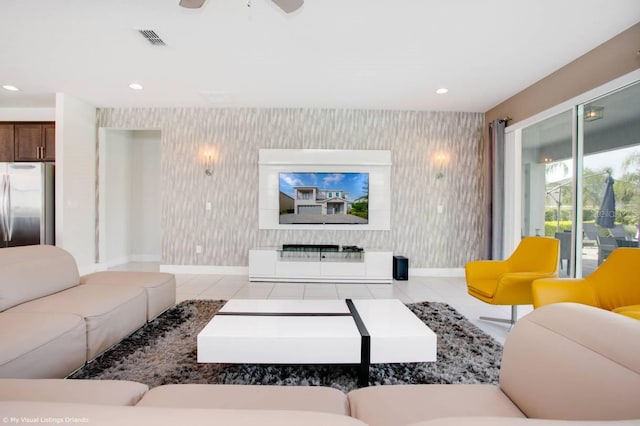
<point x="52" y="321"/>
<point x="563" y="365"/>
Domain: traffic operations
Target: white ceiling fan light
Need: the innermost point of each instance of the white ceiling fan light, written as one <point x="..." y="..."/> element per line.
<point x="192" y="4"/>
<point x="287" y="6"/>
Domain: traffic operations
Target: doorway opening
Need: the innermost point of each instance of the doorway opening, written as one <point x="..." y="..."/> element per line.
<point x="129" y="202"/>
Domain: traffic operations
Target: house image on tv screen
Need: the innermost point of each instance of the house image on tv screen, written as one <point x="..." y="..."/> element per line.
<point x="303" y="200"/>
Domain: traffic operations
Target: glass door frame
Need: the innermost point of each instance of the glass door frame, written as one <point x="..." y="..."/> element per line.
<point x="513" y="166"/>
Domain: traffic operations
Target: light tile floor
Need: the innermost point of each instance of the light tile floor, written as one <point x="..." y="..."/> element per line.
<point x="417" y="289"/>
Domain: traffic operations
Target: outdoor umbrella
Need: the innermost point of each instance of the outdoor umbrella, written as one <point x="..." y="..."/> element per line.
<point x="607" y="212"/>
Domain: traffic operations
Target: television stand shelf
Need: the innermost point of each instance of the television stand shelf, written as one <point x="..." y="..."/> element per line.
<point x="320" y="263"/>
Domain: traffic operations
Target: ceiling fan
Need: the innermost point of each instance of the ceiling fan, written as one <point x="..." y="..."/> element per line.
<point x="287" y="6"/>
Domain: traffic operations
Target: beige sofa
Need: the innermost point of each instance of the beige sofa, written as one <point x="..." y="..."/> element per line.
<point x="563" y="365"/>
<point x="564" y="361"/>
<point x="52" y="321"/>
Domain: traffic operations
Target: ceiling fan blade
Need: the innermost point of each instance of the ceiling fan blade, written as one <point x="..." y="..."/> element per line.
<point x="289" y="6"/>
<point x="192" y="4"/>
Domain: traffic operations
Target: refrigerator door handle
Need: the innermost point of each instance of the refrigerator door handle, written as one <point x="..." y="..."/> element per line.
<point x="4" y="191"/>
<point x="7" y="217"/>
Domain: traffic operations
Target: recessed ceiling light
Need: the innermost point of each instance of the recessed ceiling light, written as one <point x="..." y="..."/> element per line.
<point x="10" y="87"/>
<point x="136" y="86"/>
<point x="442" y="91"/>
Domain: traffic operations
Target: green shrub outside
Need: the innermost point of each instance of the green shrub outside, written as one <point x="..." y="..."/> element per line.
<point x="627" y="217"/>
<point x="623" y="216"/>
<point x="565" y="225"/>
<point x="588" y="214"/>
<point x="551" y="227"/>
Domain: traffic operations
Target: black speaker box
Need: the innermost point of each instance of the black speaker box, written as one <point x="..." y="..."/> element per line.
<point x="400" y="268"/>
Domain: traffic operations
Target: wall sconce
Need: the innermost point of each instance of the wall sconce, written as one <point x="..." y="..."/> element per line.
<point x="440" y="159"/>
<point x="592" y="113"/>
<point x="209" y="157"/>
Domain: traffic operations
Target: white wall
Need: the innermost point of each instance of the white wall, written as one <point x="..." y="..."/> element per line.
<point x="75" y="179"/>
<point x="27" y="114"/>
<point x="117" y="197"/>
<point x="146" y="206"/>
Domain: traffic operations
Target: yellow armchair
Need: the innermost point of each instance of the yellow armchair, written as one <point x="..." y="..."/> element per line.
<point x="614" y="286"/>
<point x="508" y="282"/>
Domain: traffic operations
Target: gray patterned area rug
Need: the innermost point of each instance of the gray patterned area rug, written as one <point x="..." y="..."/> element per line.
<point x="164" y="352"/>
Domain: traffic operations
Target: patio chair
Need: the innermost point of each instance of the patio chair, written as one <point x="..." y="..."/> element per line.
<point x="591" y="232"/>
<point x="565" y="250"/>
<point x="605" y="246"/>
<point x="619" y="232"/>
<point x="508" y="282"/>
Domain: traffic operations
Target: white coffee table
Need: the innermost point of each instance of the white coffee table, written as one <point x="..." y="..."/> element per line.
<point x="348" y="331"/>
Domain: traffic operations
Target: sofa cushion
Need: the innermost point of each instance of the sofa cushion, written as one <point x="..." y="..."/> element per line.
<point x="30" y="272"/>
<point x="503" y="421"/>
<point x="159" y="286"/>
<point x="111" y="312"/>
<point x="404" y="404"/>
<point x="41" y="345"/>
<point x="574" y="362"/>
<point x="156" y="416"/>
<point x="304" y="398"/>
<point x="109" y="392"/>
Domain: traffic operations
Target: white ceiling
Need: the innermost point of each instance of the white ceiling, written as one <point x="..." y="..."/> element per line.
<point x="365" y="54"/>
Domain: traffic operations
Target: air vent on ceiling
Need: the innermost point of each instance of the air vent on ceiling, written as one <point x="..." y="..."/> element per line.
<point x="218" y="98"/>
<point x="152" y="37"/>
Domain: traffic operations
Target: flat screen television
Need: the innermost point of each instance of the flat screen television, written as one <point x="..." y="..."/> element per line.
<point x="324" y="198"/>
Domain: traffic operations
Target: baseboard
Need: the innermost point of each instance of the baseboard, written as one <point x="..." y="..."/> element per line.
<point x="110" y="263"/>
<point x="436" y="272"/>
<point x="100" y="267"/>
<point x="205" y="269"/>
<point x="144" y="258"/>
<point x="244" y="270"/>
<point x="117" y="261"/>
<point x="90" y="269"/>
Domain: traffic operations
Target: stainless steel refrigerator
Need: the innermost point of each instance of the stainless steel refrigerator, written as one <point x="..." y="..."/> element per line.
<point x="26" y="204"/>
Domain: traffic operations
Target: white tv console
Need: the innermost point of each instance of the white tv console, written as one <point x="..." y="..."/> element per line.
<point x="372" y="266"/>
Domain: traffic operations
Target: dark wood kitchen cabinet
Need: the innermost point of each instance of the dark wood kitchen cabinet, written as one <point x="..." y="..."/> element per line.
<point x="49" y="134"/>
<point x="34" y="142"/>
<point x="6" y="143"/>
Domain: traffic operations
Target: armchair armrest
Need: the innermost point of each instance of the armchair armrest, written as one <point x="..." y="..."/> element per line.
<point x="514" y="288"/>
<point x="485" y="269"/>
<point x="557" y="290"/>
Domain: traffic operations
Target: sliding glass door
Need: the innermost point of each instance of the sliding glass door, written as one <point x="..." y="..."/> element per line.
<point x="547" y="182"/>
<point x="581" y="179"/>
<point x="610" y="174"/>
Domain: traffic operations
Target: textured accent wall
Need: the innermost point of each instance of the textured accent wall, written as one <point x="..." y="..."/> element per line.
<point x="430" y="239"/>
